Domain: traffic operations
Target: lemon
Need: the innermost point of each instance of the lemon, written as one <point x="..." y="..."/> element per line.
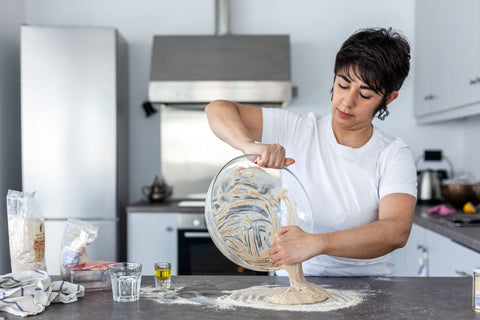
<point x="469" y="207"/>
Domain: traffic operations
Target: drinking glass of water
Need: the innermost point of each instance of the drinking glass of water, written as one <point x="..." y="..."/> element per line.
<point x="126" y="278"/>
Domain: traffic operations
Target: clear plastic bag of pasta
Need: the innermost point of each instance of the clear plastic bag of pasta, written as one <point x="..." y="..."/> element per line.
<point x="26" y="232"/>
<point x="77" y="235"/>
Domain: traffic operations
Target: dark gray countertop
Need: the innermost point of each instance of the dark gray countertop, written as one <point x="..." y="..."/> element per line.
<point x="385" y="298"/>
<point x="168" y="206"/>
<point x="466" y="236"/>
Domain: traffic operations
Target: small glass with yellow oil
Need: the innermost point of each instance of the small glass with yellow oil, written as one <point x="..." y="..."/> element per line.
<point x="163" y="271"/>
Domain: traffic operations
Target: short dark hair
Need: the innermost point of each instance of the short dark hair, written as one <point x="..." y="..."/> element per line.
<point x="379" y="57"/>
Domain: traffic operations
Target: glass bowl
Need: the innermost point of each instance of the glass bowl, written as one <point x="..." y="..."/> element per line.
<point x="247" y="204"/>
<point x="92" y="275"/>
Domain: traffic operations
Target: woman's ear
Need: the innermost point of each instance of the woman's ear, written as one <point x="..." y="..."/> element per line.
<point x="392" y="96"/>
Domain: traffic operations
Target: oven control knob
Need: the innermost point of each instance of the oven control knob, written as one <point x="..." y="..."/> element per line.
<point x="196" y="222"/>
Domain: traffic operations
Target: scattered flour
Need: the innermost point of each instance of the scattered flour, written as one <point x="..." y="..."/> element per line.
<point x="253" y="297"/>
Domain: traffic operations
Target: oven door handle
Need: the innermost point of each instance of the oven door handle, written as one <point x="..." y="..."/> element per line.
<point x="196" y="235"/>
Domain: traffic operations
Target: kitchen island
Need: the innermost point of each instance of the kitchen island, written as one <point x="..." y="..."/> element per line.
<point x="383" y="298"/>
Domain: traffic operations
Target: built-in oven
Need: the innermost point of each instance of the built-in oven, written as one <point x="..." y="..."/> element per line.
<point x="198" y="255"/>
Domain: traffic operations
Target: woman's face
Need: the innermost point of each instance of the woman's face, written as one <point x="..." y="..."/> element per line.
<point x="354" y="103"/>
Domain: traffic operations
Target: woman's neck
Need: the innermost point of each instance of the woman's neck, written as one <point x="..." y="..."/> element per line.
<point x="354" y="138"/>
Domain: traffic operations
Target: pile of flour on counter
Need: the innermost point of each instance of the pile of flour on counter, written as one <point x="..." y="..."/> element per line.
<point x="253" y="297"/>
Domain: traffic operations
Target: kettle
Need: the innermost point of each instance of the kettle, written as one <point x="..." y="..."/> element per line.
<point x="429" y="180"/>
<point x="429" y="186"/>
<point x="158" y="192"/>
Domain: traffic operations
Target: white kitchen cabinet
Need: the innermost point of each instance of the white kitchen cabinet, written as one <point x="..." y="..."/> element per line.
<point x="449" y="259"/>
<point x="466" y="60"/>
<point x="444" y="258"/>
<point x="434" y="35"/>
<point x="447" y="59"/>
<point x="407" y="258"/>
<point x="152" y="237"/>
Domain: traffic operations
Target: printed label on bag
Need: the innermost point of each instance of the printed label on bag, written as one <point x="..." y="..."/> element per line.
<point x="476" y="290"/>
<point x="38" y="240"/>
<point x="71" y="256"/>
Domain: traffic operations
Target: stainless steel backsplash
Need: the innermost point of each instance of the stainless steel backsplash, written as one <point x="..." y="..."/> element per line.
<point x="191" y="154"/>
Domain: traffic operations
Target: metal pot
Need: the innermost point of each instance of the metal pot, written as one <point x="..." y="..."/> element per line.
<point x="457" y="194"/>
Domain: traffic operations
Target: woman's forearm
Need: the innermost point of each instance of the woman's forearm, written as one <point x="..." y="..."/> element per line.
<point x="390" y="232"/>
<point x="366" y="242"/>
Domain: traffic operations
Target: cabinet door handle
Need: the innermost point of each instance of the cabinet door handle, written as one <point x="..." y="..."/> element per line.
<point x="422" y="261"/>
<point x="169" y="229"/>
<point x="428" y="97"/>
<point x="422" y="248"/>
<point x="196" y="235"/>
<point x="473" y="81"/>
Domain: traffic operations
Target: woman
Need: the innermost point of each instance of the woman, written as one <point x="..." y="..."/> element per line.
<point x="360" y="181"/>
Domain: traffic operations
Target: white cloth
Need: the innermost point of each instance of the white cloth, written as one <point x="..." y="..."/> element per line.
<point x="344" y="184"/>
<point x="28" y="293"/>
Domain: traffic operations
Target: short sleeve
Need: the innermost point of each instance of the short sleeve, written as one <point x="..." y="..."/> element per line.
<point x="283" y="127"/>
<point x="398" y="173"/>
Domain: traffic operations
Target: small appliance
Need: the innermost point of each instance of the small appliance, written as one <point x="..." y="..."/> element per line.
<point x="429" y="180"/>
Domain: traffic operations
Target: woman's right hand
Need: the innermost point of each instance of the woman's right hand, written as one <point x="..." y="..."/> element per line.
<point x="270" y="155"/>
<point x="241" y="126"/>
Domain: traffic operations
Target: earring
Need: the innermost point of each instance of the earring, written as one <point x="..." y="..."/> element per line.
<point x="383" y="114"/>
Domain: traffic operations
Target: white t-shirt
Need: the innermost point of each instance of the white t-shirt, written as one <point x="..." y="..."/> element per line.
<point x="344" y="184"/>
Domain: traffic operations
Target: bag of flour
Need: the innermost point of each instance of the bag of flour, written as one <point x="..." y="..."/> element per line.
<point x="26" y="232"/>
<point x="76" y="236"/>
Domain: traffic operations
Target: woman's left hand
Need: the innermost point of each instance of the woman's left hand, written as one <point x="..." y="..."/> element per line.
<point x="292" y="245"/>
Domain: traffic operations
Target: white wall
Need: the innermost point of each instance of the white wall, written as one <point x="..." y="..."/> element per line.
<point x="11" y="17"/>
<point x="317" y="29"/>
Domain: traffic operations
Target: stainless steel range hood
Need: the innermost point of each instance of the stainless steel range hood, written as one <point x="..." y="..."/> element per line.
<point x="241" y="68"/>
<point x="187" y="72"/>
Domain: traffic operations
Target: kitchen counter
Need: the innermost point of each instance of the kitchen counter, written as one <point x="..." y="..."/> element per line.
<point x="384" y="298"/>
<point x="466" y="236"/>
<point x="168" y="206"/>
